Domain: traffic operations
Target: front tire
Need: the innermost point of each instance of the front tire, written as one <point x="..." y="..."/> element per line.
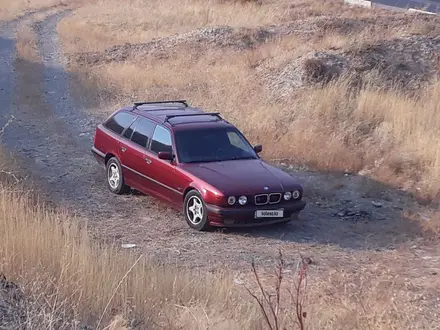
<point x="115" y="179"/>
<point x="196" y="214"/>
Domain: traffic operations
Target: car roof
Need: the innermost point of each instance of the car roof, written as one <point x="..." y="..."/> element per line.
<point x="177" y="115"/>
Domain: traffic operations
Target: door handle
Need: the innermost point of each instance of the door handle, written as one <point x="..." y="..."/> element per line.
<point x="148" y="161"/>
<point x="123" y="149"/>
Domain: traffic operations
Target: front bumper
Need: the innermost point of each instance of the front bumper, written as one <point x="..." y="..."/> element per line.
<point x="244" y="216"/>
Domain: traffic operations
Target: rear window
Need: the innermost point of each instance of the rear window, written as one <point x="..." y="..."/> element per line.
<point x="119" y="122"/>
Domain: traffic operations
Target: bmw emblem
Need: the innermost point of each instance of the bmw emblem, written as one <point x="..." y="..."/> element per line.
<point x="266" y="188"/>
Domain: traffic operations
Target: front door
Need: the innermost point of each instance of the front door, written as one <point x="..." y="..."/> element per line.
<point x="164" y="173"/>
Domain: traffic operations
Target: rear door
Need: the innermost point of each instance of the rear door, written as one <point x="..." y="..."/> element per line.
<point x="113" y="127"/>
<point x="134" y="155"/>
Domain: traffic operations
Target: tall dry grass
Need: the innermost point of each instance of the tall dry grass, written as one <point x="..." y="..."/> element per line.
<point x="386" y="134"/>
<point x="69" y="279"/>
<point x="53" y="257"/>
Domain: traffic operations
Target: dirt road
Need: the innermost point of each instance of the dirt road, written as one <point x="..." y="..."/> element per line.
<point x="351" y="223"/>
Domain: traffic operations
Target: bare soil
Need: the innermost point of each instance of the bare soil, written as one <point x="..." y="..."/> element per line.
<point x="11" y="305"/>
<point x="351" y="224"/>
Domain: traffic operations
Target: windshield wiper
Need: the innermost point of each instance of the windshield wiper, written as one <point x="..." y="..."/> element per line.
<point x="203" y="161"/>
<point x="243" y="158"/>
<point x="219" y="160"/>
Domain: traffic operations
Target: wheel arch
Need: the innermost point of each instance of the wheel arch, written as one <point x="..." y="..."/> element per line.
<point x="188" y="190"/>
<point x="108" y="157"/>
<point x="208" y="193"/>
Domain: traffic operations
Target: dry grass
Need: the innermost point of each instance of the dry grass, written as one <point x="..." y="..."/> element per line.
<point x="429" y="219"/>
<point x="384" y="134"/>
<point x="67" y="278"/>
<point x="111" y="26"/>
<point x="105" y="23"/>
<point x="11" y="9"/>
<point x="52" y="256"/>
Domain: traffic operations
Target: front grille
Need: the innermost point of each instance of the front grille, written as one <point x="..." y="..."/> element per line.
<point x="264" y="199"/>
<point x="274" y="198"/>
<point x="261" y="199"/>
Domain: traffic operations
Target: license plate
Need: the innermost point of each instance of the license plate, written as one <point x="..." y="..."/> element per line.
<point x="269" y="214"/>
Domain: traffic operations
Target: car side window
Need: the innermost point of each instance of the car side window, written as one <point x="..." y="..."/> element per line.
<point x="161" y="140"/>
<point x="142" y="131"/>
<point x="119" y="122"/>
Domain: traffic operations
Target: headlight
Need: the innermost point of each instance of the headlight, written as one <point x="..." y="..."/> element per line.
<point x="287" y="195"/>
<point x="296" y="194"/>
<point x="242" y="200"/>
<point x="231" y="200"/>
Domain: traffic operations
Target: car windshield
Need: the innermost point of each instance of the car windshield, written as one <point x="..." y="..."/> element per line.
<point x="212" y="145"/>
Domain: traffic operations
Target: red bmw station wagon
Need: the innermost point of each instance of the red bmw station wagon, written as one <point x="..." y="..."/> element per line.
<point x="197" y="162"/>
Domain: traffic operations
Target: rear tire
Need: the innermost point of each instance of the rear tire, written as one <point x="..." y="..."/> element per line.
<point x="115" y="179"/>
<point x="196" y="214"/>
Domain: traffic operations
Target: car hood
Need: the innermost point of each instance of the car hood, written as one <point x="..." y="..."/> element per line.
<point x="245" y="177"/>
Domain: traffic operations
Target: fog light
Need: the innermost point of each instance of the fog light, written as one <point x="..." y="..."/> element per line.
<point x="296" y="194"/>
<point x="287" y="195"/>
<point x="242" y="200"/>
<point x="231" y="200"/>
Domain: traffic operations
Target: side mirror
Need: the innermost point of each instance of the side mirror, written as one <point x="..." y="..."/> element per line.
<point x="165" y="155"/>
<point x="258" y="148"/>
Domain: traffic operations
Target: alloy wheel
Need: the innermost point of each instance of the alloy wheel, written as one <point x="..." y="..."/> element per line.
<point x="113" y="176"/>
<point x="194" y="210"/>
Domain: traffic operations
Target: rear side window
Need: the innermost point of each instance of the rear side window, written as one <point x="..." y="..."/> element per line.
<point x="161" y="140"/>
<point x="143" y="129"/>
<point x="119" y="122"/>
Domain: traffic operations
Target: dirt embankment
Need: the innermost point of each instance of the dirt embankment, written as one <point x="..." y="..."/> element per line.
<point x="405" y="62"/>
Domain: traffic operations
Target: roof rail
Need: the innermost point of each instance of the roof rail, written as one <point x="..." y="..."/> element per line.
<point x="217" y="114"/>
<point x="184" y="102"/>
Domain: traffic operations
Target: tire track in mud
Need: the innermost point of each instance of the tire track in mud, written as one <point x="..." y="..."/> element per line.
<point x="53" y="134"/>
